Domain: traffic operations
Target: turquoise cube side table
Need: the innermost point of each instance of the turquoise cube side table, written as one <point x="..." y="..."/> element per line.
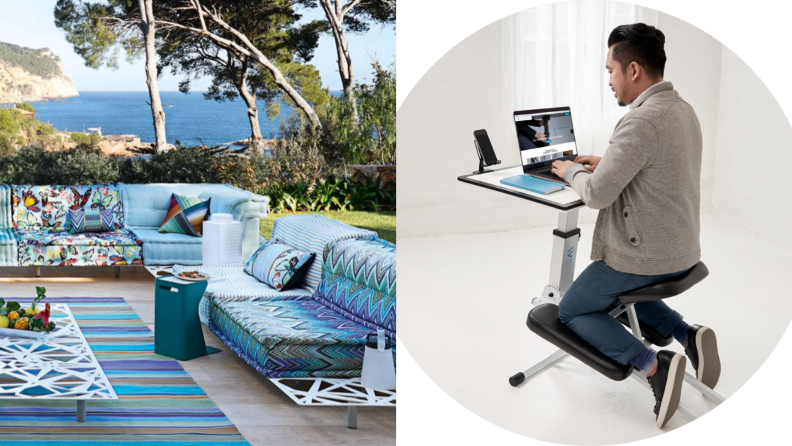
<point x="177" y="327"/>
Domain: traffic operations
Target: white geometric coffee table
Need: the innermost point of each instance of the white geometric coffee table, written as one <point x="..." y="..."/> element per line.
<point x="60" y="366"/>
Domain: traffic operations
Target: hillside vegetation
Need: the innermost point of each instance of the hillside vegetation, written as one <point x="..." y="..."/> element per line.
<point x="18" y="130"/>
<point x="38" y="62"/>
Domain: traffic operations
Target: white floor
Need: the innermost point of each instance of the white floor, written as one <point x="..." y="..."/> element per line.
<point x="464" y="300"/>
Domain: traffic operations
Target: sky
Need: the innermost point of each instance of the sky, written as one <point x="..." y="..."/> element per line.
<point x="31" y="24"/>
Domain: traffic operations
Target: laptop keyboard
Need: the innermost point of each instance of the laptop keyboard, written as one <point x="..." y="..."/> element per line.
<point x="549" y="174"/>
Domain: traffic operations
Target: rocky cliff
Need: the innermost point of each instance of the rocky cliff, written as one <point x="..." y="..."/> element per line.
<point x="31" y="75"/>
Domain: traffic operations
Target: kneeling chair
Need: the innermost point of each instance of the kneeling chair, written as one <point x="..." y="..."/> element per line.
<point x="544" y="321"/>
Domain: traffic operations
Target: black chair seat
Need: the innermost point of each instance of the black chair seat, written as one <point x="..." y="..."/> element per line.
<point x="543" y="320"/>
<point x="667" y="288"/>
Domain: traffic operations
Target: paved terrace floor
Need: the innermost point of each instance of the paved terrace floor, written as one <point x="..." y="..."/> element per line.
<point x="261" y="412"/>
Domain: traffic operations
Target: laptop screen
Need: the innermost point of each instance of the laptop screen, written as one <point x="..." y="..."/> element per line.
<point x="545" y="135"/>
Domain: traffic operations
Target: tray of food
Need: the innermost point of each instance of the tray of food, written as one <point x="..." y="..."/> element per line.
<point x="192" y="276"/>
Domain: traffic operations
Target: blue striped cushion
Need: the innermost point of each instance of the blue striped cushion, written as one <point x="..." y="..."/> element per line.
<point x="311" y="233"/>
<point x="7" y="237"/>
<point x="5" y="206"/>
<point x="91" y="220"/>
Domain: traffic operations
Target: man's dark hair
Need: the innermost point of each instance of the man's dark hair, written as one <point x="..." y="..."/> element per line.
<point x="639" y="43"/>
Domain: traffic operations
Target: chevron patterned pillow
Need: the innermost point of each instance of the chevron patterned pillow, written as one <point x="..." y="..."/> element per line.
<point x="186" y="215"/>
<point x="91" y="220"/>
<point x="279" y="265"/>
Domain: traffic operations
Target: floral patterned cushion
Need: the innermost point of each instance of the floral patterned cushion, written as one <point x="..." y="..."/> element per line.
<point x="112" y="248"/>
<point x="279" y="265"/>
<point x="46" y="207"/>
<point x="99" y="197"/>
<point x="36" y="207"/>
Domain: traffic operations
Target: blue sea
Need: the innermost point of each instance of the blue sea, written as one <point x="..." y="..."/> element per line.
<point x="189" y="118"/>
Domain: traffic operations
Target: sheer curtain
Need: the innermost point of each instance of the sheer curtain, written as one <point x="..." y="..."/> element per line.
<point x="554" y="55"/>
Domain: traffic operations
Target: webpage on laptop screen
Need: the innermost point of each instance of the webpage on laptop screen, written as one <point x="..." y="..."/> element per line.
<point x="545" y="137"/>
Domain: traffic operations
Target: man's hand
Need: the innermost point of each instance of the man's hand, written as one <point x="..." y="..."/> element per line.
<point x="541" y="136"/>
<point x="591" y="160"/>
<point x="560" y="167"/>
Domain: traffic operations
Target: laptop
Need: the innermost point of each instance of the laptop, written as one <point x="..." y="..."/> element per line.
<point x="545" y="135"/>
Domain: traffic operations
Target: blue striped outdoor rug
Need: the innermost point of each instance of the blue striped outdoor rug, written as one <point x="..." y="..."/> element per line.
<point x="159" y="403"/>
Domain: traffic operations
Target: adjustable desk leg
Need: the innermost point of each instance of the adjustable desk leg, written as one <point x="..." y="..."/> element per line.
<point x="562" y="272"/>
<point x="562" y="263"/>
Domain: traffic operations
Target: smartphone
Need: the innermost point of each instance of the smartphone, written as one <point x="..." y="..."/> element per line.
<point x="486" y="152"/>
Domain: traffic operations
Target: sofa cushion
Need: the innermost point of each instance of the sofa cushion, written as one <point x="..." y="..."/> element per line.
<point x="90" y="220"/>
<point x="147" y="204"/>
<point x="291" y="338"/>
<point x="61" y="248"/>
<point x="186" y="215"/>
<point x="8" y="248"/>
<point x="237" y="286"/>
<point x="99" y="197"/>
<point x="359" y="281"/>
<point x="169" y="249"/>
<point x="279" y="265"/>
<point x="46" y="207"/>
<point x="5" y="207"/>
<point x="36" y="207"/>
<point x="311" y="233"/>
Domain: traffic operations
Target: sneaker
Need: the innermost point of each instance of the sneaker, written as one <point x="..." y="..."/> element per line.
<point x="667" y="384"/>
<point x="702" y="350"/>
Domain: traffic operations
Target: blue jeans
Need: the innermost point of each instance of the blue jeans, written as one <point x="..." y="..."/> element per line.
<point x="594" y="290"/>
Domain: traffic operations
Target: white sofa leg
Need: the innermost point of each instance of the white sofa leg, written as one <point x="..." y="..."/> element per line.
<point x="38" y="271"/>
<point x="118" y="271"/>
<point x="352" y="417"/>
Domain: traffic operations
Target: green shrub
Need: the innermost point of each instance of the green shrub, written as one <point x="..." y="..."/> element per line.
<point x="85" y="139"/>
<point x="192" y="165"/>
<point x="295" y="178"/>
<point x="27" y="106"/>
<point x="333" y="193"/>
<point x="81" y="165"/>
<point x="6" y="148"/>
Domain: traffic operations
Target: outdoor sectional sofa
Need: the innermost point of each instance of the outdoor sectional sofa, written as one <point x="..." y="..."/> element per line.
<point x="316" y="332"/>
<point x="35" y="230"/>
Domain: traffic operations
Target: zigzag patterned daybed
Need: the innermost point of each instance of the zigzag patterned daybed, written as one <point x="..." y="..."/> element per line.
<point x="318" y="331"/>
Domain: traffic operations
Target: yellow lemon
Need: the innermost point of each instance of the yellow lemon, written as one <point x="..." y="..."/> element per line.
<point x="21" y="324"/>
<point x="32" y="310"/>
<point x="3" y="321"/>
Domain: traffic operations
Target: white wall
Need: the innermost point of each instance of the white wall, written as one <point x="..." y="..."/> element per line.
<point x="464" y="91"/>
<point x="752" y="181"/>
<point x="459" y="94"/>
<point x="694" y="67"/>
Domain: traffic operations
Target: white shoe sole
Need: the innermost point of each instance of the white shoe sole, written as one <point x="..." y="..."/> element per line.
<point x="673" y="390"/>
<point x="709" y="366"/>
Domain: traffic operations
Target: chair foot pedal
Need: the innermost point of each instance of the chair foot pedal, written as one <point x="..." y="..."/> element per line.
<point x="517" y="379"/>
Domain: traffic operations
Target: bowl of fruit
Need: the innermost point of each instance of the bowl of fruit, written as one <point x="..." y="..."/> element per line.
<point x="26" y="322"/>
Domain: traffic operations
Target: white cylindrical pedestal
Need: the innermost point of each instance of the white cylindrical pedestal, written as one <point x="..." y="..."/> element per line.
<point x="222" y="240"/>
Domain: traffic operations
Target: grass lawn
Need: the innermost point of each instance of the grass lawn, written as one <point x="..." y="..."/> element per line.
<point x="384" y="223"/>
